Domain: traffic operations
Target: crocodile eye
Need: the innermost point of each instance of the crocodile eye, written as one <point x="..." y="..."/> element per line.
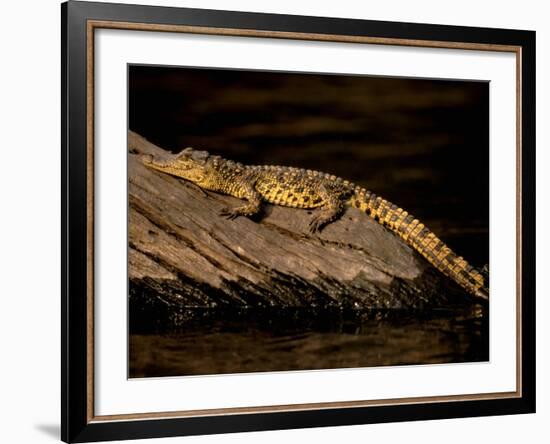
<point x="185" y="154"/>
<point x="199" y="156"/>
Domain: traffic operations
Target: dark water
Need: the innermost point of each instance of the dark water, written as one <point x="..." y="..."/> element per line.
<point x="303" y="340"/>
<point x="422" y="144"/>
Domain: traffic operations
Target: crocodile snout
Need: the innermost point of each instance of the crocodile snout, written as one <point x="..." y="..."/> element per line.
<point x="147" y="159"/>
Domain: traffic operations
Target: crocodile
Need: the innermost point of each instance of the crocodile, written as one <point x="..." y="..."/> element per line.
<point x="308" y="189"/>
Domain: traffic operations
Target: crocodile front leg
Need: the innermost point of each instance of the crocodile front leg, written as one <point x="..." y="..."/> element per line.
<point x="246" y="191"/>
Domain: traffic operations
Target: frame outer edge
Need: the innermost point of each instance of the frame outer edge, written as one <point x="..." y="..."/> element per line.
<point x="528" y="227"/>
<point x="64" y="137"/>
<point x="74" y="334"/>
<point x="75" y="424"/>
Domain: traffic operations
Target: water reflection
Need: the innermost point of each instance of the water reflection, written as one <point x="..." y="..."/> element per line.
<point x="300" y="340"/>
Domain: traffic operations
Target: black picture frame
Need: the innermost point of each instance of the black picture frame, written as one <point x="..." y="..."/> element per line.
<point x="77" y="425"/>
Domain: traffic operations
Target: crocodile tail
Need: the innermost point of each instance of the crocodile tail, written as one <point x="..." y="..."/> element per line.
<point x="424" y="241"/>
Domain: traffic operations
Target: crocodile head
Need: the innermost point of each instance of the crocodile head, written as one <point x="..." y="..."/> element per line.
<point x="190" y="164"/>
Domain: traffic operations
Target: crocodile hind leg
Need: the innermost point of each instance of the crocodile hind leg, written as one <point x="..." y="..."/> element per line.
<point x="331" y="210"/>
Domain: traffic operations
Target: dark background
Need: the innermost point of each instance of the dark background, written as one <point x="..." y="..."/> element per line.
<point x="422" y="144"/>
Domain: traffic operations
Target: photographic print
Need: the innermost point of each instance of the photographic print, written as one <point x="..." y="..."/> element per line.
<point x="283" y="221"/>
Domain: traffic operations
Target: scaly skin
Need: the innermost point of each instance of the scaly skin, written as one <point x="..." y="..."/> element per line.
<point x="299" y="188"/>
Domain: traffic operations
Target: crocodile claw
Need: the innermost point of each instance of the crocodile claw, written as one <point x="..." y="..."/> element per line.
<point x="229" y="214"/>
<point x="315" y="226"/>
